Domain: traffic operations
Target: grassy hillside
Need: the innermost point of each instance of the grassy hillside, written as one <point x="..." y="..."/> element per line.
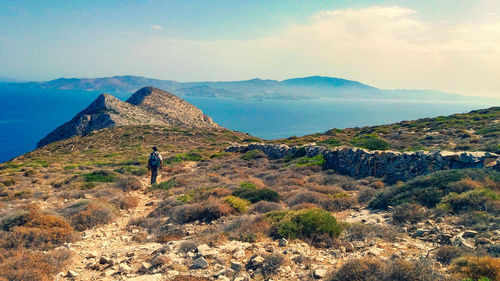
<point x="478" y="130"/>
<point x="84" y="204"/>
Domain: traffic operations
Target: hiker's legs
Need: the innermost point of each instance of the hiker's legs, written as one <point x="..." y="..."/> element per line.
<point x="154" y="174"/>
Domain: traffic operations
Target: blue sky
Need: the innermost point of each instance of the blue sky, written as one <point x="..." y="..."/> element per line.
<point x="446" y="45"/>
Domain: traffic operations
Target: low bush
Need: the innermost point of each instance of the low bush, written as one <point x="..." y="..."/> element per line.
<point x="136" y="171"/>
<point x="40" y="231"/>
<point x="237" y="203"/>
<point x="368" y="269"/>
<point x="363" y="269"/>
<point x="248" y="185"/>
<point x="365" y="195"/>
<point x="128" y="184"/>
<point x="246" y="228"/>
<point x="476" y="268"/>
<point x="318" y="160"/>
<point x="129" y="202"/>
<point x="479" y="221"/>
<point x="23" y="265"/>
<point x="188" y="278"/>
<point x="300" y="152"/>
<point x="269" y="266"/>
<point x="473" y="200"/>
<point x="370" y="141"/>
<point x="166" y="185"/>
<point x="429" y="190"/>
<point x="190" y="156"/>
<point x="252" y="154"/>
<point x="207" y="211"/>
<point x="264" y="207"/>
<point x="13" y="219"/>
<point x="447" y="253"/>
<point x="363" y="232"/>
<point x="304" y="224"/>
<point x="164" y="208"/>
<point x="100" y="176"/>
<point x="330" y="142"/>
<point x="86" y="214"/>
<point x="412" y="213"/>
<point x="250" y="192"/>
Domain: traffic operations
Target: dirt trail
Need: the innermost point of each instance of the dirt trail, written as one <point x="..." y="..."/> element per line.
<point x="113" y="241"/>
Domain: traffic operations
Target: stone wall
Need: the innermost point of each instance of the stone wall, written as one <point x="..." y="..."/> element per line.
<point x="391" y="165"/>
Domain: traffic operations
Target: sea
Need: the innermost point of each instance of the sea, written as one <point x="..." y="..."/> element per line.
<point x="27" y="115"/>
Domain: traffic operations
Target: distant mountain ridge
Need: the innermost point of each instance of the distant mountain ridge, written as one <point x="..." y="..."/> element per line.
<point x="295" y="88"/>
<point x="148" y="106"/>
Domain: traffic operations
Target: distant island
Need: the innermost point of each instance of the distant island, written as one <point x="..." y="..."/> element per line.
<point x="297" y="88"/>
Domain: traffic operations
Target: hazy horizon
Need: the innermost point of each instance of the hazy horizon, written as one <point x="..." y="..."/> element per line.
<point x="449" y="46"/>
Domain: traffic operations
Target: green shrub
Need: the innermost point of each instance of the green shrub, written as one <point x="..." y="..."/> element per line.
<point x="300" y="152"/>
<point x="251" y="140"/>
<point x="255" y="195"/>
<point x="248" y="185"/>
<point x="185" y="198"/>
<point x="252" y="154"/>
<point x="14" y="219"/>
<point x="409" y="212"/>
<point x="190" y="156"/>
<point x="330" y="142"/>
<point x="303" y="224"/>
<point x="237" y="203"/>
<point x="166" y="185"/>
<point x="99" y="176"/>
<point x="429" y="190"/>
<point x="87" y="185"/>
<point x="479" y="221"/>
<point x="318" y="160"/>
<point x="370" y="141"/>
<point x="136" y="171"/>
<point x="8" y="182"/>
<point x="473" y="200"/>
<point x="219" y="155"/>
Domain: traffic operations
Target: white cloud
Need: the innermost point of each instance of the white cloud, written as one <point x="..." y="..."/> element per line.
<point x="388" y="47"/>
<point x="157" y="27"/>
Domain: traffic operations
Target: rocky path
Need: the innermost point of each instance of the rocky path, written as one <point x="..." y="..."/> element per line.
<point x="110" y="252"/>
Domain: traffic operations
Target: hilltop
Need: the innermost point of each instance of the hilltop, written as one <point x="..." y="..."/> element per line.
<point x="148" y="106"/>
<point x="478" y="130"/>
<point x="81" y="209"/>
<point x="312" y="87"/>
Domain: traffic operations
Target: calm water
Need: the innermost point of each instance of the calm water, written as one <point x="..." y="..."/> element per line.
<point x="27" y="115"/>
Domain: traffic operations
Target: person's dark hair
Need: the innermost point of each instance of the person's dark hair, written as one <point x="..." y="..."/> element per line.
<point x="155" y="148"/>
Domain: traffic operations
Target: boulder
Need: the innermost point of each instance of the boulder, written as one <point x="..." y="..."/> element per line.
<point x="200" y="263"/>
<point x="71" y="273"/>
<point x="282" y="242"/>
<point x="319" y="273"/>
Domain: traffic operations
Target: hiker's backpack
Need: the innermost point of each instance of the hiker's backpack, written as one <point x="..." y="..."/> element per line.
<point x="154" y="160"/>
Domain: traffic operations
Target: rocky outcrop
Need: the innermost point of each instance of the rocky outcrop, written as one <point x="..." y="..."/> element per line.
<point x="391" y="165"/>
<point x="170" y="108"/>
<point x="148" y="106"/>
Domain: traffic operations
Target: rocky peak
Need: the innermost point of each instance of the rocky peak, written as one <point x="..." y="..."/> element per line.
<point x="148" y="106"/>
<point x="171" y="108"/>
<point x="103" y="102"/>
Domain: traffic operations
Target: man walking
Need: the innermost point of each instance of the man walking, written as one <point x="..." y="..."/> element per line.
<point x="155" y="163"/>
